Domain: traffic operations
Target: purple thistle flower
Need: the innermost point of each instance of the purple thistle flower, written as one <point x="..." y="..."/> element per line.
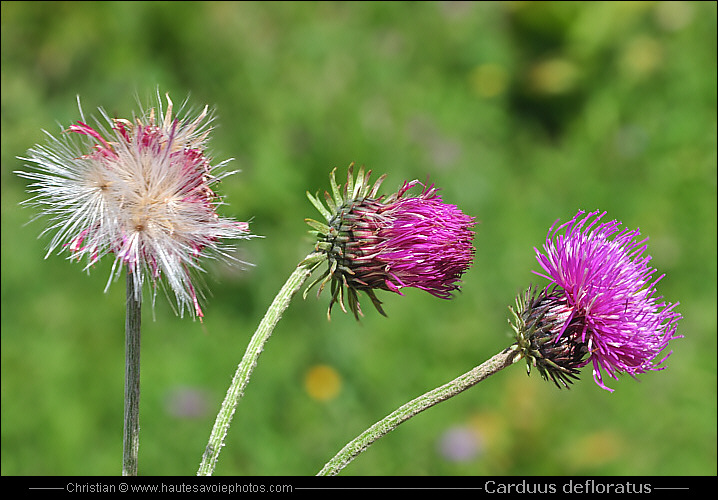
<point x="602" y="298"/>
<point x="372" y="242"/>
<point x="141" y="190"/>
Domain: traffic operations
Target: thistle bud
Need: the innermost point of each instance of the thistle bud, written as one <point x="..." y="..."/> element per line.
<point x="372" y="242"/>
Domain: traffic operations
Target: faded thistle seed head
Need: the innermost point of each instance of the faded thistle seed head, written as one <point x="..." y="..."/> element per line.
<point x="547" y="337"/>
<point x="374" y="242"/>
<point x="139" y="189"/>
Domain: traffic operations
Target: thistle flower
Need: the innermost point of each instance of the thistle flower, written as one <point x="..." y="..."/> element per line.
<point x="139" y="189"/>
<point x="372" y="242"/>
<point x="601" y="304"/>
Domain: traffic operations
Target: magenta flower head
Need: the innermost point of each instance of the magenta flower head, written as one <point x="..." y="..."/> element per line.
<point x="140" y="189"/>
<point x="388" y="243"/>
<point x="601" y="304"/>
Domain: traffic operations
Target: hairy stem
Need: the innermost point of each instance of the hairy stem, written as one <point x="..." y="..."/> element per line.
<point x="249" y="361"/>
<point x="131" y="438"/>
<point x="423" y="402"/>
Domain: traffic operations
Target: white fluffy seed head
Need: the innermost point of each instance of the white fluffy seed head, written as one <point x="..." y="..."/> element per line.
<point x="139" y="189"/>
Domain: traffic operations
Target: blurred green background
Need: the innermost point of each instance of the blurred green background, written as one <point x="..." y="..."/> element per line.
<point x="521" y="112"/>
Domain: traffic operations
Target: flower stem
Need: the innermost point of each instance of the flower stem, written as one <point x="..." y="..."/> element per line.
<point x="249" y="361"/>
<point x="389" y="423"/>
<point x="131" y="439"/>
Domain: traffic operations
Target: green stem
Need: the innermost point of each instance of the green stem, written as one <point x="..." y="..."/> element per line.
<point x="423" y="402"/>
<point x="249" y="361"/>
<point x="131" y="438"/>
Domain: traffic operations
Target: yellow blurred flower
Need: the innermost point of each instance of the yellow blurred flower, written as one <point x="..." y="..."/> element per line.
<point x="322" y="382"/>
<point x="553" y="76"/>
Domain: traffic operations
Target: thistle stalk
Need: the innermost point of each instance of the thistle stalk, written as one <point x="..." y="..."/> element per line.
<point x="249" y="361"/>
<point x="131" y="434"/>
<point x="402" y="414"/>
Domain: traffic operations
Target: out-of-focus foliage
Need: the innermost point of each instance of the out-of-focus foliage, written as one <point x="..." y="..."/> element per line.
<point x="521" y="112"/>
